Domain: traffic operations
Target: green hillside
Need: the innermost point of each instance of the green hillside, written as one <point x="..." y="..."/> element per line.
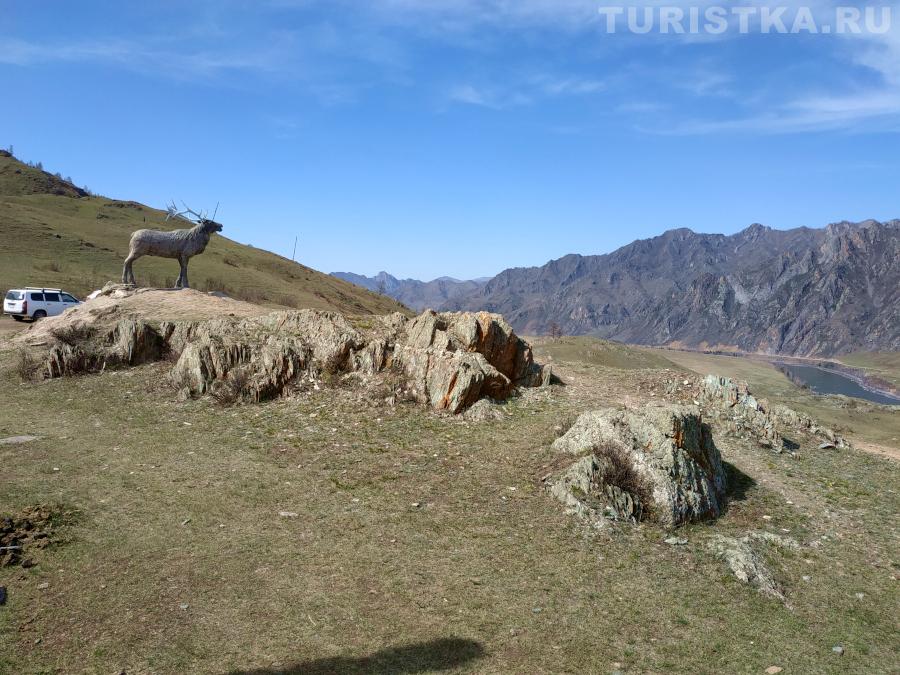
<point x="52" y="234"/>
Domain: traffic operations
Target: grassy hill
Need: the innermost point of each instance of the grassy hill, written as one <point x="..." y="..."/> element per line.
<point x="53" y="234"/>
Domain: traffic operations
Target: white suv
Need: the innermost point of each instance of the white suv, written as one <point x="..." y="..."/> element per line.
<point x="37" y="303"/>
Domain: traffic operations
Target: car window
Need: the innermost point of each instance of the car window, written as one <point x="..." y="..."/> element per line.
<point x="36" y="297"/>
<point x="15" y="295"/>
<point x="68" y="298"/>
<point x="51" y="297"/>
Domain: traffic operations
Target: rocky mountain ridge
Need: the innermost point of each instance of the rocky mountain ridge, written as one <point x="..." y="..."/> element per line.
<point x="800" y="292"/>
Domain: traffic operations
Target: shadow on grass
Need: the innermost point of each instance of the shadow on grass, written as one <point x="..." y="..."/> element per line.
<point x="419" y="657"/>
<point x="739" y="483"/>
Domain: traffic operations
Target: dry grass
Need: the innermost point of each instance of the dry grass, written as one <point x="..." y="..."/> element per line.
<point x="26" y="365"/>
<point x="72" y="333"/>
<point x="414" y="531"/>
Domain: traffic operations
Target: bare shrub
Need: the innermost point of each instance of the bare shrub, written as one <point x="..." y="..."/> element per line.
<point x="231" y="390"/>
<point x="73" y="334"/>
<point x="289" y="301"/>
<point x="393" y="386"/>
<point x="331" y="370"/>
<point x="555" y="331"/>
<point x="619" y="472"/>
<point x="26" y="366"/>
<point x="215" y="284"/>
<point x="253" y="295"/>
<point x="51" y="266"/>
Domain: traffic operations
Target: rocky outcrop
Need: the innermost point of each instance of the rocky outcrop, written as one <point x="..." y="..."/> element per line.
<point x="740" y="409"/>
<point x="733" y="404"/>
<point x="269" y="354"/>
<point x="80" y="350"/>
<point x="450" y="361"/>
<point x="803" y="423"/>
<point x="457" y="359"/>
<point x="659" y="464"/>
<point x="748" y="567"/>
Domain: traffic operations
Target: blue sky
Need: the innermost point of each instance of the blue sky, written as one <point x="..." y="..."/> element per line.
<point x="443" y="137"/>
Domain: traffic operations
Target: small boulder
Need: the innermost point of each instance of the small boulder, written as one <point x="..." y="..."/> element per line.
<point x="746" y="564"/>
<point x="17" y="440"/>
<point x="483" y="411"/>
<point x="660" y="463"/>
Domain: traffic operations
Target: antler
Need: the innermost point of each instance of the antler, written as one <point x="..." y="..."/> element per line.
<point x="183" y="215"/>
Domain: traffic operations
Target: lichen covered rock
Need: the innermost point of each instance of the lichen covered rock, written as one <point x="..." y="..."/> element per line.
<point x="745" y="562"/>
<point x="744" y="414"/>
<point x="738" y="407"/>
<point x="450" y="361"/>
<point x="659" y="463"/>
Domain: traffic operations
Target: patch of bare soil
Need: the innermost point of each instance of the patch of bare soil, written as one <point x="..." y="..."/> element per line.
<point x="149" y="304"/>
<point x="33" y="528"/>
<point x="883" y="450"/>
<point x="9" y="327"/>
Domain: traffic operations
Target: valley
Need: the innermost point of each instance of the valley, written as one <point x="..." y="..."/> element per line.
<point x="414" y="538"/>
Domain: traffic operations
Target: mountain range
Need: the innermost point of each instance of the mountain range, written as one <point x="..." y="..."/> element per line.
<point x="802" y="292"/>
<point x="798" y="292"/>
<point x="413" y="293"/>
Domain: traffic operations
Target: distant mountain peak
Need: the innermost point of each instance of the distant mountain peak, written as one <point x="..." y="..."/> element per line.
<point x="802" y="291"/>
<point x="756" y="228"/>
<point x="413" y="293"/>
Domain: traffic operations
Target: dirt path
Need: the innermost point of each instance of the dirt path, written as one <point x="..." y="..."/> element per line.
<point x="9" y="327"/>
<point x="875" y="449"/>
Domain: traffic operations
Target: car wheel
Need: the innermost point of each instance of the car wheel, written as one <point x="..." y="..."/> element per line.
<point x="38" y="315"/>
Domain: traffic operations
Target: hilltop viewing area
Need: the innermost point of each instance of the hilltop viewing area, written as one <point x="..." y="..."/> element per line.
<point x="406" y="338"/>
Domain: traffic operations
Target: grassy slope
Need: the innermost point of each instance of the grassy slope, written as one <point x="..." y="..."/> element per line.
<point x="856" y="419"/>
<point x="175" y="515"/>
<point x="885" y="365"/>
<point x="593" y="351"/>
<point x="79" y="244"/>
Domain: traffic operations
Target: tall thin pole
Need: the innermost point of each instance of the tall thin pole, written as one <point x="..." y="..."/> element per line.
<point x="294" y="254"/>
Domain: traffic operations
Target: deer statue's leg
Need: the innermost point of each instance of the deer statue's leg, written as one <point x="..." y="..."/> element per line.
<point x="183" y="277"/>
<point x="127" y="271"/>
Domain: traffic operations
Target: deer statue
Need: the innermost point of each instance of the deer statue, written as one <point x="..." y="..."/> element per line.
<point x="182" y="245"/>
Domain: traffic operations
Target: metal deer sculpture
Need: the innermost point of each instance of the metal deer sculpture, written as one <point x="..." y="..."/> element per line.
<point x="182" y="245"/>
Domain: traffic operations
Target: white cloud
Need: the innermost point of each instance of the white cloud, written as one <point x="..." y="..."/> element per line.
<point x="523" y="91"/>
<point x="366" y="45"/>
<point x="143" y="56"/>
<point x="877" y="111"/>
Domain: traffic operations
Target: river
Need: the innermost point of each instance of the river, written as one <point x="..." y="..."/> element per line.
<point x="822" y="381"/>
